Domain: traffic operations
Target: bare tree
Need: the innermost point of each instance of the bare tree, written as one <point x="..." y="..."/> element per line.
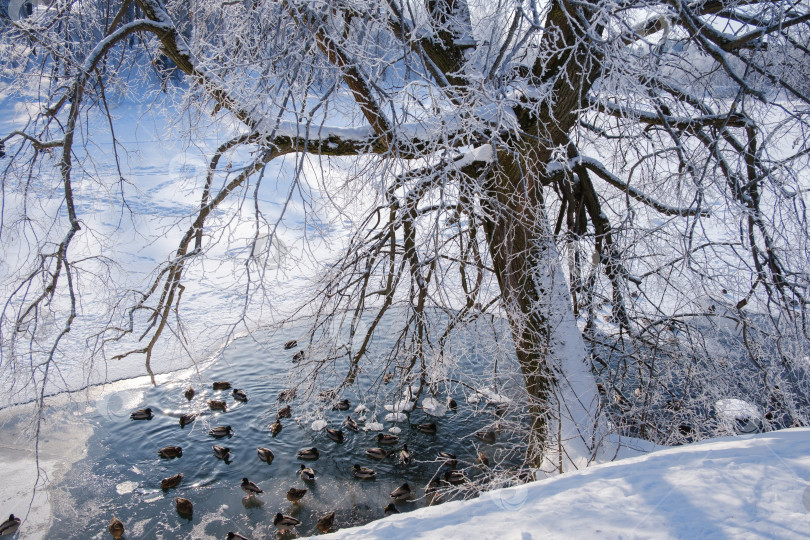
<point x="629" y="164"/>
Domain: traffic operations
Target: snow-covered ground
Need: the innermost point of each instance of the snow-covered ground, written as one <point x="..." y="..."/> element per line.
<point x="754" y="486"/>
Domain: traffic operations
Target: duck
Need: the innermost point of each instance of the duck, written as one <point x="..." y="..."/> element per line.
<point x="189" y="393"/>
<point x="391" y="509"/>
<point x="342" y="405"/>
<point x="10" y="526"/>
<point x="265" y="454"/>
<point x="351" y="424"/>
<point x="487" y="436"/>
<point x="287" y="395"/>
<point x="115" y="527"/>
<point x="297" y="357"/>
<point x="222" y="385"/>
<point x="171" y="481"/>
<point x="296" y="494"/>
<point x="310" y="454"/>
<point x="170" y="452"/>
<point x="325" y="522"/>
<point x="432" y="487"/>
<point x="142" y="414"/>
<point x="376" y="453"/>
<point x="275" y="428"/>
<point x="430" y="429"/>
<point x="221" y="431"/>
<point x="452" y="404"/>
<point x="184" y="506"/>
<point x="222" y="452"/>
<point x="363" y="472"/>
<point x="454" y="477"/>
<point x="250" y="488"/>
<point x="402" y="492"/>
<point x="483" y="459"/>
<point x="387" y="438"/>
<point x="283" y="522"/>
<point x="235" y="536"/>
<point x="328" y="395"/>
<point x="388" y="377"/>
<point x="449" y="459"/>
<point x="307" y="473"/>
<point x="239" y="395"/>
<point x="284" y="412"/>
<point x="290" y="344"/>
<point x="187" y="419"/>
<point x="501" y="410"/>
<point x="217" y="405"/>
<point x="334" y="434"/>
<point x="404" y="456"/>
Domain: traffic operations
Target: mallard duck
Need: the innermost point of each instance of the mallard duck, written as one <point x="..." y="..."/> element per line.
<point x="169" y="452"/>
<point x="285" y="522"/>
<point x="222" y="452"/>
<point x="363" y="472"/>
<point x="10" y="526"/>
<point x="483" y="459"/>
<point x="452" y="404"/>
<point x="334" y="434"/>
<point x="115" y="527"/>
<point x="433" y="486"/>
<point x="501" y="409"/>
<point x="265" y="454"/>
<point x="307" y="473"/>
<point x="376" y="453"/>
<point x="387" y="438"/>
<point x="342" y="405"/>
<point x="308" y="454"/>
<point x="221" y="431"/>
<point x="275" y="428"/>
<point x="189" y="393"/>
<point x="351" y="424"/>
<point x="236" y="536"/>
<point x="187" y="419"/>
<point x="388" y="377"/>
<point x="486" y="436"/>
<point x="430" y="429"/>
<point x="325" y="522"/>
<point x="284" y="412"/>
<point x="454" y="477"/>
<point x="290" y="345"/>
<point x="402" y="492"/>
<point x="297" y="357"/>
<point x="287" y="395"/>
<point x="171" y="481"/>
<point x="184" y="506"/>
<point x="390" y="509"/>
<point x="404" y="456"/>
<point x="250" y="488"/>
<point x="222" y="385"/>
<point x="142" y="414"/>
<point x="296" y="494"/>
<point x="239" y="395"/>
<point x="217" y="405"/>
<point x="449" y="459"/>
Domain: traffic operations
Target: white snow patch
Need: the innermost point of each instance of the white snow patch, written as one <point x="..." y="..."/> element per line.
<point x="395" y="430"/>
<point x="318" y="425"/>
<point x="396" y="417"/>
<point x="736" y="409"/>
<point x="373" y="426"/>
<point x="360" y="409"/>
<point x="432" y="407"/>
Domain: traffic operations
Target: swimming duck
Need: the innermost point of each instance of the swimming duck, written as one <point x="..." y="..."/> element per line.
<point x="452" y="404"/>
<point x="187" y="419"/>
<point x="250" y="488"/>
<point x="235" y="536"/>
<point x="404" y="456"/>
<point x="284" y="412"/>
<point x="296" y="494"/>
<point x="454" y="477"/>
<point x="10" y="526"/>
<point x="275" y="427"/>
<point x="222" y="452"/>
<point x="334" y="434"/>
<point x="239" y="395"/>
<point x="342" y="405"/>
<point x="290" y="345"/>
<point x="325" y="522"/>
<point x="388" y="377"/>
<point x="483" y="459"/>
<point x="189" y="393"/>
<point x="501" y="409"/>
<point x="221" y="431"/>
<point x="351" y="424"/>
<point x="265" y="454"/>
<point x="184" y="506"/>
<point x="142" y="414"/>
<point x="486" y="436"/>
<point x="297" y="357"/>
<point x="222" y="385"/>
<point x="363" y="472"/>
<point x="387" y="438"/>
<point x="307" y="473"/>
<point x="390" y="509"/>
<point x="449" y="459"/>
<point x="115" y="527"/>
<point x="283" y="522"/>
<point x="376" y="453"/>
<point x="432" y="487"/>
<point x="402" y="492"/>
<point x="430" y="429"/>
<point x="217" y="405"/>
<point x="287" y="395"/>
<point x="171" y="481"/>
<point x="169" y="452"/>
<point x="309" y="454"/>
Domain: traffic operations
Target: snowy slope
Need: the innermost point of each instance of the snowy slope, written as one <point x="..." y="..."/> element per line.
<point x="737" y="487"/>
